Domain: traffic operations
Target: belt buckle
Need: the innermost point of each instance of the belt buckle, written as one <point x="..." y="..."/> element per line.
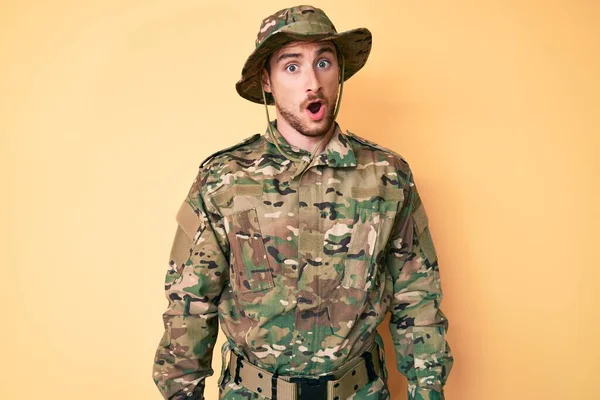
<point x="312" y="388"/>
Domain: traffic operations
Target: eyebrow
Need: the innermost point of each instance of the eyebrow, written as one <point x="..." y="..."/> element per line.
<point x="324" y="49"/>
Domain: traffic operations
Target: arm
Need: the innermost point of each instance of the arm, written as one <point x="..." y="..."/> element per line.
<point x="198" y="270"/>
<point x="417" y="324"/>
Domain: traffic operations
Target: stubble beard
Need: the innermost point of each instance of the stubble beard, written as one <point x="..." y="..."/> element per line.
<point x="295" y="121"/>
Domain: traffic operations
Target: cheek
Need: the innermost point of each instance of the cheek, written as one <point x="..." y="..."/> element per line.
<point x="331" y="82"/>
<point x="287" y="100"/>
<point x="332" y="91"/>
<point x="288" y="94"/>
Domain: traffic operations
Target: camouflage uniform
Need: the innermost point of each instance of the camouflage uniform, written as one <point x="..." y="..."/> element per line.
<point x="300" y="263"/>
<point x="300" y="257"/>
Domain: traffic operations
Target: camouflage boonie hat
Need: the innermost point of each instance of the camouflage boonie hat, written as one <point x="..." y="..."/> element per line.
<point x="300" y="23"/>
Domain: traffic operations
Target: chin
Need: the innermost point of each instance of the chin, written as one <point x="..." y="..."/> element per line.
<point x="313" y="133"/>
<point x="316" y="132"/>
<point x="320" y="129"/>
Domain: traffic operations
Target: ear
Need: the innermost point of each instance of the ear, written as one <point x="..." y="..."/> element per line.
<point x="266" y="81"/>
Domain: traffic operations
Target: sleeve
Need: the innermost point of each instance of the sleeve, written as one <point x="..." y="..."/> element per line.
<point x="417" y="324"/>
<point x="196" y="275"/>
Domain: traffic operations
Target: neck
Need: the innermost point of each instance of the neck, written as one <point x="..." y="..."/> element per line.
<point x="297" y="139"/>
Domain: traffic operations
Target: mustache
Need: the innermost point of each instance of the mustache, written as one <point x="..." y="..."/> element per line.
<point x="312" y="98"/>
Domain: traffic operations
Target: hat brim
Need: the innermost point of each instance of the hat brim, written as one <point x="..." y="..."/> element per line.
<point x="355" y="45"/>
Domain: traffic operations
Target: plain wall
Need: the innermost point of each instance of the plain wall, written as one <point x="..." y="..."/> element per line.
<point x="108" y="107"/>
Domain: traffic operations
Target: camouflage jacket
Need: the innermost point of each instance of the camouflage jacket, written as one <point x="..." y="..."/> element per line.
<point x="299" y="262"/>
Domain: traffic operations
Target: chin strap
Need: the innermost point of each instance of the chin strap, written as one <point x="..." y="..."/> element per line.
<point x="270" y="125"/>
<point x="337" y="110"/>
<point x="339" y="101"/>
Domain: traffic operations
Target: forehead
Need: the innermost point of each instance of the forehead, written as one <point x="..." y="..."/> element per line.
<point x="303" y="47"/>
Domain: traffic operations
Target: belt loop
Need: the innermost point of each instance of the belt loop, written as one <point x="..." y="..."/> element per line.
<point x="238" y="366"/>
<point x="224" y="364"/>
<point x="274" y="386"/>
<point x="368" y="357"/>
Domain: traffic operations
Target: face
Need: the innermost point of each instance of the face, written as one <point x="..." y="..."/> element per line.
<point x="304" y="80"/>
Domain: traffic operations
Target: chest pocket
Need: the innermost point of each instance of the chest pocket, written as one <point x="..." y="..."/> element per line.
<point x="362" y="249"/>
<point x="370" y="234"/>
<point x="249" y="258"/>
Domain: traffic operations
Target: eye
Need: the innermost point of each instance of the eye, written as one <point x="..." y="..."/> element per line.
<point x="291" y="68"/>
<point x="323" y="64"/>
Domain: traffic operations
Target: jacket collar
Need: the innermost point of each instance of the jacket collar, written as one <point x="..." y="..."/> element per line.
<point x="338" y="152"/>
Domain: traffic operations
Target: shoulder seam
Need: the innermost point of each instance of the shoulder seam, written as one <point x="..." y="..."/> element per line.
<point x="375" y="145"/>
<point x="230" y="148"/>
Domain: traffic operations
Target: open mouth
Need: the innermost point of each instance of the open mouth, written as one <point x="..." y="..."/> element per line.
<point x="314" y="107"/>
<point x="316" y="110"/>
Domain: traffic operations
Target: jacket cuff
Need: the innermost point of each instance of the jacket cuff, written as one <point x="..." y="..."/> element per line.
<point x="425" y="394"/>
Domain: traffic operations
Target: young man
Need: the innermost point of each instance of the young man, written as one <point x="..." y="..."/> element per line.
<point x="299" y="241"/>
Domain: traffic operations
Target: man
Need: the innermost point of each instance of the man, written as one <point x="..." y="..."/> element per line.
<point x="299" y="241"/>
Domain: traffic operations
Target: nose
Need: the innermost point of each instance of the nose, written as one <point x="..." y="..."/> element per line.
<point x="313" y="84"/>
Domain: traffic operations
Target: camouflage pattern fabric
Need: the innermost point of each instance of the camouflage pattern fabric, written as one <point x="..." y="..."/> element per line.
<point x="299" y="263"/>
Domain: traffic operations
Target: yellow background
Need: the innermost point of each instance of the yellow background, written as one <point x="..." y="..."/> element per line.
<point x="107" y="108"/>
